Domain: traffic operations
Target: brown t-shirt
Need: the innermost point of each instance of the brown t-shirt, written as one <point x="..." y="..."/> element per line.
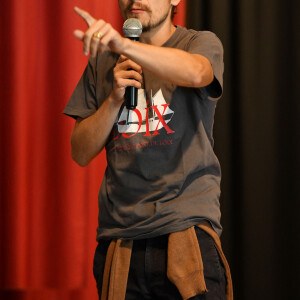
<point x="162" y="174"/>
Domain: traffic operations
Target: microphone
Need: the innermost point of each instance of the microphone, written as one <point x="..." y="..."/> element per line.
<point x="132" y="29"/>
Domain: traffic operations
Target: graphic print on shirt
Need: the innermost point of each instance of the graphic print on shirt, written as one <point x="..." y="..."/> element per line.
<point x="149" y="116"/>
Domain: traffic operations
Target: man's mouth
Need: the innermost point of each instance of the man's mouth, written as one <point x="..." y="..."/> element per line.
<point x="136" y="10"/>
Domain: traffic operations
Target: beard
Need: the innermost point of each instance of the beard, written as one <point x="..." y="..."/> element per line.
<point x="147" y="26"/>
<point x="152" y="25"/>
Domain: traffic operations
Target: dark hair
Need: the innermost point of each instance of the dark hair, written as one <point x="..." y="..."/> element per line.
<point x="174" y="12"/>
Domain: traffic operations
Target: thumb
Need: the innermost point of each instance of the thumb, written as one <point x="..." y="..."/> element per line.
<point x="78" y="34"/>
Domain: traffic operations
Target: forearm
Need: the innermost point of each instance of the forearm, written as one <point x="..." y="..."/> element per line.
<point x="174" y="65"/>
<point x="90" y="135"/>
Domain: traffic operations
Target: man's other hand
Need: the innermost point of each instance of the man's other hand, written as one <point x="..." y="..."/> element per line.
<point x="126" y="73"/>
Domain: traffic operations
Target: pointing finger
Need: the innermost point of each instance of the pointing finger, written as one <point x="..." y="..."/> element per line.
<point x="85" y="15"/>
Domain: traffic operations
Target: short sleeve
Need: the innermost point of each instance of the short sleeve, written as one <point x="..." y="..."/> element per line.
<point x="208" y="44"/>
<point x="83" y="102"/>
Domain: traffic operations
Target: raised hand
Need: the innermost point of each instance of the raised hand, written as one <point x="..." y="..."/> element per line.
<point x="99" y="37"/>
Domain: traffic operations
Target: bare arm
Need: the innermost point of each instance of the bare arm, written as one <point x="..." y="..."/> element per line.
<point x="177" y="66"/>
<point x="89" y="135"/>
<point x="174" y="65"/>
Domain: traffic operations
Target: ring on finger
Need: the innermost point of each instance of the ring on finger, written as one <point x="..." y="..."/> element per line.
<point x="98" y="35"/>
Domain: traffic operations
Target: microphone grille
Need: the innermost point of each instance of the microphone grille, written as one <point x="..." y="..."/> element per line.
<point x="132" y="28"/>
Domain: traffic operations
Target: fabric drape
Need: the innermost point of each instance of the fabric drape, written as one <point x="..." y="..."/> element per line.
<point x="257" y="141"/>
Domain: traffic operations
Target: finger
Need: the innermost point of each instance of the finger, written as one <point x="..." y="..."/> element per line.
<point x="78" y="34"/>
<point x="134" y="66"/>
<point x="113" y="40"/>
<point x="134" y="83"/>
<point x="107" y="37"/>
<point x="96" y="43"/>
<point x="94" y="46"/>
<point x="129" y="64"/>
<point x="102" y="48"/>
<point x="85" y="15"/>
<point x="123" y="83"/>
<point x="131" y="74"/>
<point x="88" y="36"/>
<point x="122" y="58"/>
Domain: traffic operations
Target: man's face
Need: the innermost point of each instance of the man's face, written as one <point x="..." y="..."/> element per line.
<point x="151" y="13"/>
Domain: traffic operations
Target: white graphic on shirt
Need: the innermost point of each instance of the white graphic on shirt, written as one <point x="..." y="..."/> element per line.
<point x="147" y="117"/>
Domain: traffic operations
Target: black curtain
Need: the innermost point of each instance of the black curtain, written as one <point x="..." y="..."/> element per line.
<point x="257" y="141"/>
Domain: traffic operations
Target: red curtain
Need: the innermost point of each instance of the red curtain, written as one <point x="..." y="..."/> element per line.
<point x="48" y="212"/>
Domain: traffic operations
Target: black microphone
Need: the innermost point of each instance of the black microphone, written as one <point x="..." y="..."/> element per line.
<point x="132" y="29"/>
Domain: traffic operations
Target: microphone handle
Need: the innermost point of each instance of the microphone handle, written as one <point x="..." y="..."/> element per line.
<point x="131" y="92"/>
<point x="131" y="95"/>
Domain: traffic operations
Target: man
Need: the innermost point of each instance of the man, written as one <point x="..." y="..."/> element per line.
<point x="159" y="214"/>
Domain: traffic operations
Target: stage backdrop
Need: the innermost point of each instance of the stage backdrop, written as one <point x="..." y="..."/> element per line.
<point x="257" y="141"/>
<point x="48" y="212"/>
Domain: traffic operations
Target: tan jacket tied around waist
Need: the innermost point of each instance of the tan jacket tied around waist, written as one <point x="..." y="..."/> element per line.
<point x="184" y="271"/>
